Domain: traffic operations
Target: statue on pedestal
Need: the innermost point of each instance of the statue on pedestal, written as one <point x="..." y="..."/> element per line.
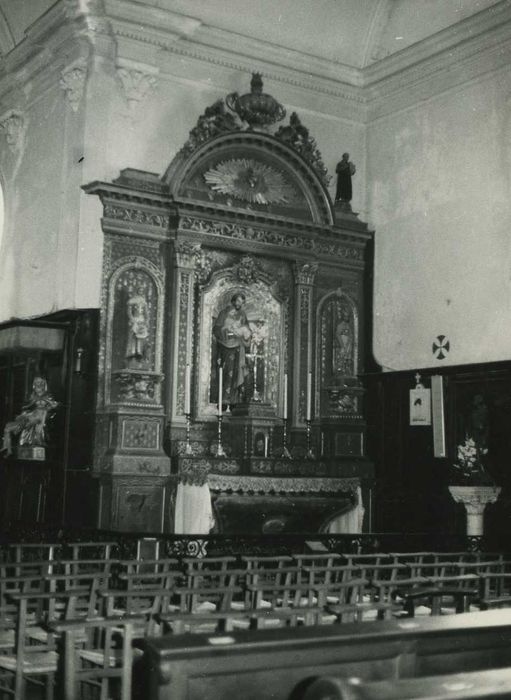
<point x="345" y="169"/>
<point x="30" y="424"/>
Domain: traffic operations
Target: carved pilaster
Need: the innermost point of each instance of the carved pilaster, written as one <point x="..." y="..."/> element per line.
<point x="186" y="256"/>
<point x="72" y="81"/>
<point x="302" y="361"/>
<point x="12" y="125"/>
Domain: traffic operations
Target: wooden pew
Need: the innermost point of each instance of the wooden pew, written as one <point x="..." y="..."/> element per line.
<point x="494" y="683"/>
<point x="271" y="664"/>
<point x="100" y="660"/>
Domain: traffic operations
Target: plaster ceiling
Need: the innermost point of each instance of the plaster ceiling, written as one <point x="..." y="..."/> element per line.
<point x="353" y="33"/>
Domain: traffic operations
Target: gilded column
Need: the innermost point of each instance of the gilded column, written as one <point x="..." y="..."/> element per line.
<point x="185" y="260"/>
<point x="302" y="345"/>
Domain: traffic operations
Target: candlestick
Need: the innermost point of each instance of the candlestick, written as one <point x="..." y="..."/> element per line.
<point x="188" y="446"/>
<point x="310" y="453"/>
<point x="309" y="397"/>
<point x="220" y="388"/>
<point x="284" y="453"/>
<point x="219" y="452"/>
<point x="187" y="390"/>
<point x="284" y="408"/>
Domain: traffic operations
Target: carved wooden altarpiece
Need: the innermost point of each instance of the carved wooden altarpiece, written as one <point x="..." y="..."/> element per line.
<point x="242" y="210"/>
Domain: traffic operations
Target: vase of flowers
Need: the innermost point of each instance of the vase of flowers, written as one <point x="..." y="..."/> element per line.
<point x="468" y="470"/>
<point x="475" y="487"/>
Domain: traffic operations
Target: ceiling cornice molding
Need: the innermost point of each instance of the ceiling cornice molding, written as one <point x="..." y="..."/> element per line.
<point x="241" y="62"/>
<point x="451" y="57"/>
<point x="470" y="36"/>
<point x="446" y="71"/>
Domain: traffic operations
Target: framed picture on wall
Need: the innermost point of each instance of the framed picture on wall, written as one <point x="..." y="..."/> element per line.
<point x="420" y="406"/>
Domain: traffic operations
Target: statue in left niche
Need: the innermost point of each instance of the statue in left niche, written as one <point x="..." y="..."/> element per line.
<point x="138" y="330"/>
<point x="30" y="424"/>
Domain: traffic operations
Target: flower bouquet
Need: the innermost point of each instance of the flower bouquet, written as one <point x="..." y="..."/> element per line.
<point x="468" y="468"/>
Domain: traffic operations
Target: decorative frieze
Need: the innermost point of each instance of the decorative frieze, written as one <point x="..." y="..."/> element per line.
<point x="267" y="484"/>
<point x="284" y="239"/>
<point x="240" y="231"/>
<point x="136" y="216"/>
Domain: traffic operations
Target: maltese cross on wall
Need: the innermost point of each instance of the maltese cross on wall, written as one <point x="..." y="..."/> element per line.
<point x="441" y="347"/>
<point x="250" y="181"/>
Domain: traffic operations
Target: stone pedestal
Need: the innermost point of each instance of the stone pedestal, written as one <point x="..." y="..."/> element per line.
<point x="475" y="499"/>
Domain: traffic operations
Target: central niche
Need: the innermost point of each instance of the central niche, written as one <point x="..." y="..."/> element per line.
<point x="250" y="319"/>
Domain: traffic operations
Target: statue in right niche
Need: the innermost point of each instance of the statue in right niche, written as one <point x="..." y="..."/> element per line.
<point x="345" y="169"/>
<point x="343" y="344"/>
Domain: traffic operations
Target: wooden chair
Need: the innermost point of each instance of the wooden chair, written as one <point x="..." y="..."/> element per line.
<point x="144" y="604"/>
<point x="90" y="550"/>
<point x="105" y="658"/>
<point x="348" y="598"/>
<point x="204" y="600"/>
<point x="323" y="561"/>
<point x="286" y="596"/>
<point x="494" y="590"/>
<point x="34" y="659"/>
<point x="127" y="569"/>
<point x="15" y="584"/>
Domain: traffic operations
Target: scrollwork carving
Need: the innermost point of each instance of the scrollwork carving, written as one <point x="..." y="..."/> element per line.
<point x="243" y="232"/>
<point x="72" y="81"/>
<point x="136" y="216"/>
<point x="12" y="126"/>
<point x="135" y="385"/>
<point x="136" y="84"/>
<point x="296" y="135"/>
<point x="247" y="270"/>
<point x="305" y="273"/>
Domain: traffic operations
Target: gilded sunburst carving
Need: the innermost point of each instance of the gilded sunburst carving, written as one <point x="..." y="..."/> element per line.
<point x="250" y="181"/>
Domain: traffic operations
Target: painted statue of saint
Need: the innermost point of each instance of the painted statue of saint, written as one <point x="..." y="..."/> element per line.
<point x="138" y="327"/>
<point x="30" y="424"/>
<point x="343" y="344"/>
<point x="233" y="335"/>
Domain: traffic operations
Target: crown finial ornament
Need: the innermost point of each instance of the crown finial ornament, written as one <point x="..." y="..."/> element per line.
<point x="256" y="108"/>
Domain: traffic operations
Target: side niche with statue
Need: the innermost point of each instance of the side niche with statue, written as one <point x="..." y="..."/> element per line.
<point x="133" y="347"/>
<point x="26" y="435"/>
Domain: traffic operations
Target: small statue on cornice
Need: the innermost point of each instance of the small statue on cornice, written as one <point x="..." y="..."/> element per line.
<point x="345" y="170"/>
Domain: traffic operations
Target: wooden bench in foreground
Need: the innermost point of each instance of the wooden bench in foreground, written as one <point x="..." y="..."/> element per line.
<point x="281" y="663"/>
<point x="494" y="683"/>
